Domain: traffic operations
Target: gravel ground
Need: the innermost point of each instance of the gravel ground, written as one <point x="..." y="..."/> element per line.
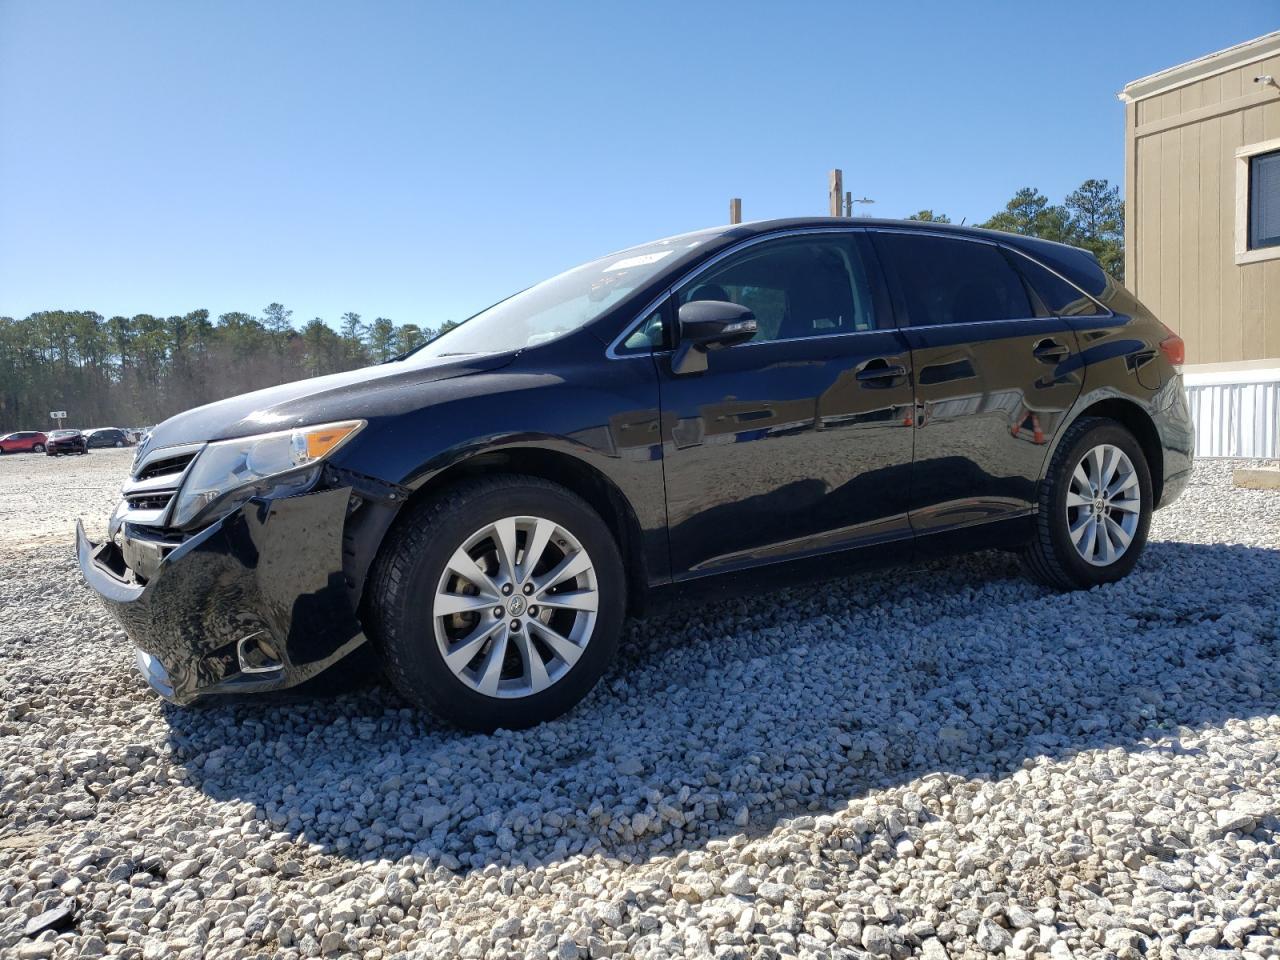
<point x="943" y="761"/>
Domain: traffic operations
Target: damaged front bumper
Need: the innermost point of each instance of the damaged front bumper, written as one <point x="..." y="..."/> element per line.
<point x="262" y="599"/>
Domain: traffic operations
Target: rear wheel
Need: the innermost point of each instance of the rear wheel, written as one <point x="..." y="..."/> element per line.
<point x="498" y="603"/>
<point x="38" y="448"/>
<point x="1095" y="508"/>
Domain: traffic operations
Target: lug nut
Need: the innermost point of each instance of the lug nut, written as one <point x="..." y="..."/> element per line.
<point x="497" y="612"/>
<point x="515" y="625"/>
<point x="528" y="588"/>
<point x="533" y="611"/>
<point x="506" y="589"/>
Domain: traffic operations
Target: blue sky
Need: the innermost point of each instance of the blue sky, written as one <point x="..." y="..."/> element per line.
<point x="419" y="161"/>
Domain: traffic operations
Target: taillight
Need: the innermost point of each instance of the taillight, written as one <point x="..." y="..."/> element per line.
<point x="1174" y="350"/>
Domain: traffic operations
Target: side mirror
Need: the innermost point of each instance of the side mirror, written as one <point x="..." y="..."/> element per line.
<point x="709" y="325"/>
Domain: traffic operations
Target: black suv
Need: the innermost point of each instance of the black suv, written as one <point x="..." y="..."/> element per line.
<point x="107" y="437"/>
<point x="747" y="401"/>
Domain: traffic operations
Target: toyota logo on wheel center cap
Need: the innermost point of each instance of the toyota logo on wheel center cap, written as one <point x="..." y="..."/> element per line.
<point x="516" y="606"/>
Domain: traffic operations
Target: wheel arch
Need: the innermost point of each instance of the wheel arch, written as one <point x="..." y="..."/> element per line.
<point x="1130" y="415"/>
<point x="570" y="472"/>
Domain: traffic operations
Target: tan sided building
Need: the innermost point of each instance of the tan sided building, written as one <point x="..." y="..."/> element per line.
<point x="1202" y="231"/>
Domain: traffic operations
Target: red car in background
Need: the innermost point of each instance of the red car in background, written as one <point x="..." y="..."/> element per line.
<point x="24" y="441"/>
<point x="66" y="441"/>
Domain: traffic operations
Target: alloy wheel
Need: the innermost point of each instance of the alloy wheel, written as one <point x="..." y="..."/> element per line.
<point x="1104" y="504"/>
<point x="515" y="607"/>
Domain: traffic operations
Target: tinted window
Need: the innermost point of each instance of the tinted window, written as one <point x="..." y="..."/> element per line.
<point x="796" y="286"/>
<point x="1264" y="200"/>
<point x="953" y="281"/>
<point x="1058" y="296"/>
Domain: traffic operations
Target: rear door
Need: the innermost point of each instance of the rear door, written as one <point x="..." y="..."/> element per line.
<point x="799" y="441"/>
<point x="995" y="376"/>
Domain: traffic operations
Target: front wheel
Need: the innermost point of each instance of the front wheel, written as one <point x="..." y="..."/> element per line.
<point x="1095" y="508"/>
<point x="498" y="603"/>
<point x="38" y="448"/>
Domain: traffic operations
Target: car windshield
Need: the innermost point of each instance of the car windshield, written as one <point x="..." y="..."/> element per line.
<point x="568" y="302"/>
<point x="63" y="433"/>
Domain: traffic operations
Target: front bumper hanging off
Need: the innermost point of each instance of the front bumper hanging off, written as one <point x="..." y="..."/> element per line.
<point x="259" y="600"/>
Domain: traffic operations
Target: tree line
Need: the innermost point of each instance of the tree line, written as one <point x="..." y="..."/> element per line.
<point x="136" y="371"/>
<point x="1091" y="216"/>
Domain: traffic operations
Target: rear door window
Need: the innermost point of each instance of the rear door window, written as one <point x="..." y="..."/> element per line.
<point x="943" y="280"/>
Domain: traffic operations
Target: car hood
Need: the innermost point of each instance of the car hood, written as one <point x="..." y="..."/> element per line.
<point x="369" y="391"/>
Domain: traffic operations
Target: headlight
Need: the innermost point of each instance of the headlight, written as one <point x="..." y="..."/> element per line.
<point x="229" y="472"/>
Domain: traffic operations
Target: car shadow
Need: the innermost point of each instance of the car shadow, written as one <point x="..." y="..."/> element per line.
<point x="897" y="675"/>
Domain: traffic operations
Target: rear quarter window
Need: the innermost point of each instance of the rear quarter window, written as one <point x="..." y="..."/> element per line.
<point x="1059" y="297"/>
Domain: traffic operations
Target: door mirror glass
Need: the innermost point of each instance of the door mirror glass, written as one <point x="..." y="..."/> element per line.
<point x="709" y="325"/>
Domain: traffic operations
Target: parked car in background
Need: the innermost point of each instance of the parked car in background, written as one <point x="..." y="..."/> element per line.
<point x="107" y="437"/>
<point x="24" y="441"/>
<point x="66" y="441"/>
<point x="747" y="402"/>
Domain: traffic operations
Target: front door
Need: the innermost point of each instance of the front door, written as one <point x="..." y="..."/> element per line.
<point x="799" y="441"/>
<point x="994" y="377"/>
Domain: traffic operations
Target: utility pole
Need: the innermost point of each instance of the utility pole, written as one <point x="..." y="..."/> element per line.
<point x="835" y="191"/>
<point x="735" y="210"/>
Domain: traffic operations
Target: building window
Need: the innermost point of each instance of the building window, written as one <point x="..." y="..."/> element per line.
<point x="1264" y="200"/>
<point x="1258" y="202"/>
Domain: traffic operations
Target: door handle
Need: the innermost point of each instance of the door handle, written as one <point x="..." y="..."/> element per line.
<point x="876" y="372"/>
<point x="1049" y="350"/>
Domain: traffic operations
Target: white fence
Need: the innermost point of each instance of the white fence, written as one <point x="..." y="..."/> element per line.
<point x="1236" y="412"/>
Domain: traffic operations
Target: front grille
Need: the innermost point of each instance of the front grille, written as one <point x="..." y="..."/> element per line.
<point x="153" y="501"/>
<point x="156" y="479"/>
<point x="158" y="468"/>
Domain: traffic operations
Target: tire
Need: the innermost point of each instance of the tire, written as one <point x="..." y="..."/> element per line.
<point x="1053" y="556"/>
<point x="119" y="443"/>
<point x="38" y="448"/>
<point x="417" y="572"/>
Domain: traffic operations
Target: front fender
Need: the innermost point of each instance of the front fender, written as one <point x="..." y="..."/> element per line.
<point x="602" y="422"/>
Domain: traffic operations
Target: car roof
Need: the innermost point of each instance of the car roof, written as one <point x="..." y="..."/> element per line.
<point x="1081" y="264"/>
<point x="756" y="227"/>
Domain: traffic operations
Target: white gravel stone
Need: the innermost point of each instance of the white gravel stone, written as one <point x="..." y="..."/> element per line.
<point x="183" y="870"/>
<point x="973" y="766"/>
<point x="992" y="937"/>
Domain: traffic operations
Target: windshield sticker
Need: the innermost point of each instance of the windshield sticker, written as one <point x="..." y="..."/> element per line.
<point x="642" y="260"/>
